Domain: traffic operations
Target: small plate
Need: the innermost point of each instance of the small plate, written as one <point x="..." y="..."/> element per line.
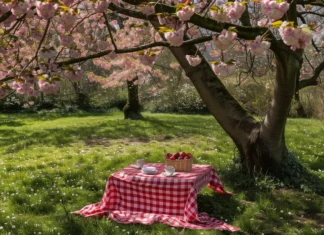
<point x="136" y="166"/>
<point x="149" y="173"/>
<point x="174" y="174"/>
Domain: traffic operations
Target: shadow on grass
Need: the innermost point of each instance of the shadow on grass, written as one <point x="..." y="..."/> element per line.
<point x="220" y="206"/>
<point x="113" y="129"/>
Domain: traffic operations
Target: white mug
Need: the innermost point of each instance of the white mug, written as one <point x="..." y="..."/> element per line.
<point x="169" y="170"/>
<point x="140" y="163"/>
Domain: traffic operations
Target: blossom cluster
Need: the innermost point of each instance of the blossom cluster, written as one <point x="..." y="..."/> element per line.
<point x="223" y="70"/>
<point x="258" y="46"/>
<point x="193" y="60"/>
<point x="185" y="13"/>
<point x="274" y="9"/>
<point x="296" y="38"/>
<point x="230" y="11"/>
<point x="175" y="38"/>
<point x="224" y="40"/>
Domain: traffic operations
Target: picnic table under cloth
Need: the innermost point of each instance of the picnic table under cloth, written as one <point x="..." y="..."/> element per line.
<point x="133" y="197"/>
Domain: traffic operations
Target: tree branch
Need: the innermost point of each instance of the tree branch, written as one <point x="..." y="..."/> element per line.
<point x="313" y="80"/>
<point x="109" y="30"/>
<point x="5" y="16"/>
<point x="311" y="12"/>
<point x="311" y="2"/>
<point x="119" y="51"/>
<point x="243" y="32"/>
<point x="39" y="46"/>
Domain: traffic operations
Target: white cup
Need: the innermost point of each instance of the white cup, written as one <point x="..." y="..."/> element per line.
<point x="169" y="170"/>
<point x="140" y="163"/>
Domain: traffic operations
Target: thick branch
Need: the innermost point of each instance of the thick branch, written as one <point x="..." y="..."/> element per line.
<point x="120" y="51"/>
<point x="313" y="80"/>
<point x="243" y="32"/>
<point x="5" y="16"/>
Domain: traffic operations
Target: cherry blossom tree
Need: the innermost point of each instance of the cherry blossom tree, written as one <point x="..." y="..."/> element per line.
<point x="42" y="42"/>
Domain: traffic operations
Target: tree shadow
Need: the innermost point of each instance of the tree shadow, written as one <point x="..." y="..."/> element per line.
<point x="221" y="206"/>
<point x="11" y="123"/>
<point x="112" y="129"/>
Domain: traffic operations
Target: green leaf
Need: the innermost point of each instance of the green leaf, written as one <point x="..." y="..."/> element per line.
<point x="276" y="24"/>
<point x="214" y="62"/>
<point x="41" y="77"/>
<point x="163" y="29"/>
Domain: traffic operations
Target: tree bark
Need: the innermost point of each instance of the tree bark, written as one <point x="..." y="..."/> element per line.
<point x="132" y="107"/>
<point x="82" y="99"/>
<point x="261" y="145"/>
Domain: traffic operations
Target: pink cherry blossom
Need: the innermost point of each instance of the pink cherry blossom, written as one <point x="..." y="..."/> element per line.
<point x="20" y="8"/>
<point x="193" y="32"/>
<point x="193" y="60"/>
<point x="100" y="6"/>
<point x="185" y="13"/>
<point x="147" y="59"/>
<point x="273" y="9"/>
<point x="234" y="10"/>
<point x="148" y="10"/>
<point x="48" y="88"/>
<point x="224" y="40"/>
<point x="73" y="76"/>
<point x="65" y="40"/>
<point x="3" y="8"/>
<point x="219" y="16"/>
<point x="297" y="38"/>
<point x="223" y="70"/>
<point x="263" y="22"/>
<point x="258" y="47"/>
<point x="175" y="38"/>
<point x="45" y="10"/>
<point x="67" y="20"/>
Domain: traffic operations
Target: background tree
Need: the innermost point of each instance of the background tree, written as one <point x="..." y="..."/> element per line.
<point x="35" y="63"/>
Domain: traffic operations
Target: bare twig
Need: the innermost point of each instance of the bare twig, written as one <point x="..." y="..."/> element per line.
<point x="109" y="30"/>
<point x="38" y="48"/>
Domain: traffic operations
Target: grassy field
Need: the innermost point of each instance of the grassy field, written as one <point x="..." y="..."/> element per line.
<point x="51" y="165"/>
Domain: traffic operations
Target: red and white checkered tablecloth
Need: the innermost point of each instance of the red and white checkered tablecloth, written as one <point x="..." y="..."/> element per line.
<point x="133" y="197"/>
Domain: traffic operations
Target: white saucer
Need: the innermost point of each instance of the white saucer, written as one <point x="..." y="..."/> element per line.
<point x="149" y="172"/>
<point x="166" y="175"/>
<point x="136" y="166"/>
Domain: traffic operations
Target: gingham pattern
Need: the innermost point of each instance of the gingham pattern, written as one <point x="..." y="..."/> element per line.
<point x="133" y="197"/>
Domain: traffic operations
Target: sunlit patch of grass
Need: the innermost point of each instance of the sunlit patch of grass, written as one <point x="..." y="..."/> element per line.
<point x="53" y="164"/>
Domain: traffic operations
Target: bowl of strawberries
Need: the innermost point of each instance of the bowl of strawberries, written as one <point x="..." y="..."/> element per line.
<point x="181" y="161"/>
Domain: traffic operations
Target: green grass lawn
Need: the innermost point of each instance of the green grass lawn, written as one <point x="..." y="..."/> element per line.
<point x="53" y="164"/>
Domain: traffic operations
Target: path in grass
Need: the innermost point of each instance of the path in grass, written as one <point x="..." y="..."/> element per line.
<point x="51" y="165"/>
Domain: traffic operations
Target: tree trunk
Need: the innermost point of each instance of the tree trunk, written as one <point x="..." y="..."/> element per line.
<point x="82" y="99"/>
<point x="300" y="109"/>
<point x="132" y="107"/>
<point x="261" y="145"/>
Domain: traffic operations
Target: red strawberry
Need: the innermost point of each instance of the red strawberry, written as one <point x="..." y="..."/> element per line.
<point x="176" y="155"/>
<point x="168" y="155"/>
<point x="182" y="154"/>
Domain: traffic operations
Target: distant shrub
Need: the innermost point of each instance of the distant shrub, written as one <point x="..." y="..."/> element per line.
<point x="183" y="99"/>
